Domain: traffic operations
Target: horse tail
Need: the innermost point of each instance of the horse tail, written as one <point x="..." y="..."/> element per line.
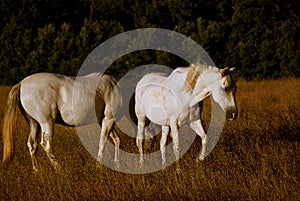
<point x="10" y="123"/>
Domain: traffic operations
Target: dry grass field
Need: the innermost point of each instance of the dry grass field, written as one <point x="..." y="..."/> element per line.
<point x="256" y="158"/>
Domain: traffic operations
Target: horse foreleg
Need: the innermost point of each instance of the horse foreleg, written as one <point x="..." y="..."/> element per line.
<point x="163" y="141"/>
<point x="46" y="142"/>
<point x="139" y="140"/>
<point x="198" y="128"/>
<point x="107" y="124"/>
<point x="32" y="142"/>
<point x="148" y="139"/>
<point x="176" y="148"/>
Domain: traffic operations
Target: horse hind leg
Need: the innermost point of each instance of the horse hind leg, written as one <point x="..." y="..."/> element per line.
<point x="139" y="138"/>
<point x="107" y="124"/>
<point x="32" y="143"/>
<point x="46" y="142"/>
<point x="163" y="141"/>
<point x="114" y="136"/>
<point x="148" y="139"/>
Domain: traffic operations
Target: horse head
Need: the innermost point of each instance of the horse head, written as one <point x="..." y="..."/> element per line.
<point x="223" y="92"/>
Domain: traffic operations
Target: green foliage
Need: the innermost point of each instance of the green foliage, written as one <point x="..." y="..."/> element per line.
<point x="259" y="37"/>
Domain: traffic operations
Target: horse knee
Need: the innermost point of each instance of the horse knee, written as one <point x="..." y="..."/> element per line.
<point x="46" y="145"/>
<point x="139" y="143"/>
<point x="30" y="147"/>
<point x="139" y="137"/>
<point x="204" y="139"/>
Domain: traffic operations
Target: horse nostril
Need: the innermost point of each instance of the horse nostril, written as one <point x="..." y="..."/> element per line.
<point x="232" y="117"/>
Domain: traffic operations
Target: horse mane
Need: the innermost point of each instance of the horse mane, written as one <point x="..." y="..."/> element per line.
<point x="95" y="74"/>
<point x="230" y="83"/>
<point x="194" y="71"/>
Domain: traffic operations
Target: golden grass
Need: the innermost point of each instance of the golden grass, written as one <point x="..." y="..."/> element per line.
<point x="256" y="158"/>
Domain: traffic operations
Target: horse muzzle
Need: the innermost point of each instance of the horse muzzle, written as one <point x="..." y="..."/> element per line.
<point x="232" y="114"/>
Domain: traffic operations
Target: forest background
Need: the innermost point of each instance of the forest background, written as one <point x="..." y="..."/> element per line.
<point x="259" y="37"/>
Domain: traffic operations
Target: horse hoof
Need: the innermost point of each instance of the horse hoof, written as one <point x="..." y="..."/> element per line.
<point x="200" y="159"/>
<point x="117" y="164"/>
<point x="57" y="168"/>
<point x="35" y="171"/>
<point x="98" y="165"/>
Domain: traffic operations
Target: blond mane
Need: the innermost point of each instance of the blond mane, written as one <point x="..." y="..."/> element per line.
<point x="195" y="71"/>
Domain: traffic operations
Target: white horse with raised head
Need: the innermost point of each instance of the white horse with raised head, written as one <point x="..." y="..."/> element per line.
<point x="45" y="99"/>
<point x="172" y="101"/>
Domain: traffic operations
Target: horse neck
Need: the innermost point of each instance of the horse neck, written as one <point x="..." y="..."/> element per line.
<point x="209" y="78"/>
<point x="203" y="85"/>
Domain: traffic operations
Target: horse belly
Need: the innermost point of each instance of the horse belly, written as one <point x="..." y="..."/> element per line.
<point x="82" y="114"/>
<point x="66" y="117"/>
<point x="82" y="109"/>
<point x="78" y="117"/>
<point x="160" y="106"/>
<point x="158" y="115"/>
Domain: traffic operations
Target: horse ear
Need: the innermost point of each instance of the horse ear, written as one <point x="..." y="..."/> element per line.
<point x="225" y="71"/>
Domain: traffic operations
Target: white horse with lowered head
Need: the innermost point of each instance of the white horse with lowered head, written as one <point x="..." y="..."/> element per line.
<point x="45" y="99"/>
<point x="172" y="101"/>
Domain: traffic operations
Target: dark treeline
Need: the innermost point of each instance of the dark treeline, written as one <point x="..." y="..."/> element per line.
<point x="259" y="37"/>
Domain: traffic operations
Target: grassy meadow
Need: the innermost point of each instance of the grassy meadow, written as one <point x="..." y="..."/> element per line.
<point x="256" y="158"/>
